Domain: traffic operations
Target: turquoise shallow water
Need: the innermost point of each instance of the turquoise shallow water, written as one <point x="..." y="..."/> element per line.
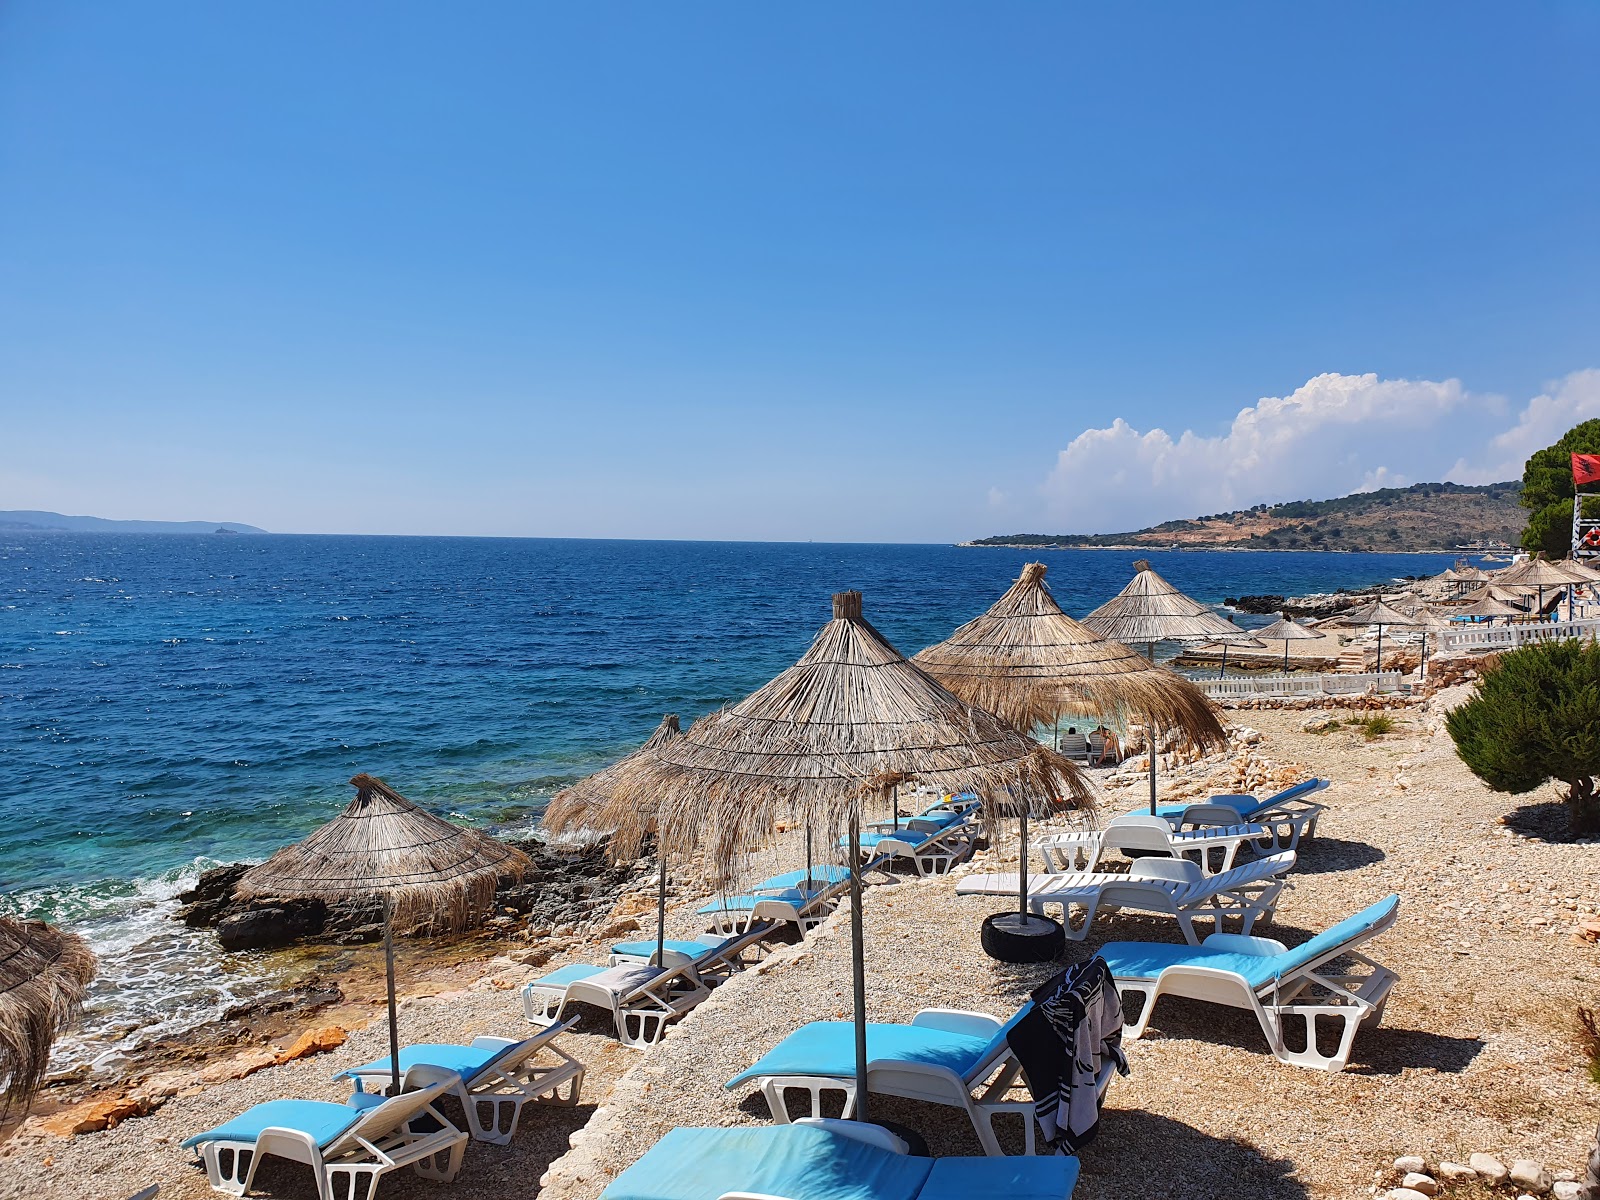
<point x="174" y="701"/>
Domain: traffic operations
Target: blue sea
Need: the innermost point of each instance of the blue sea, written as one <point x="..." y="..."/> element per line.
<point x="172" y="702"/>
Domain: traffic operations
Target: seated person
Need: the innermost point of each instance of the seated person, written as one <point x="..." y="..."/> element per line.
<point x="1110" y="748"/>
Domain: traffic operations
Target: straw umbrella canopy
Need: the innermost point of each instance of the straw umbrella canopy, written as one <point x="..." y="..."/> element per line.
<point x="848" y="722"/>
<point x="1376" y="612"/>
<point x="590" y="804"/>
<point x="1286" y="631"/>
<point x="44" y="973"/>
<point x="1151" y="610"/>
<point x="1535" y="573"/>
<point x="424" y="869"/>
<point x="1488" y="606"/>
<point x="1029" y="663"/>
<point x="1493" y="591"/>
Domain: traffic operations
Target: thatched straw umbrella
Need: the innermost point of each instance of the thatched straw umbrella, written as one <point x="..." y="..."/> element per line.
<point x="1535" y="573"/>
<point x="590" y="805"/>
<point x="1375" y="612"/>
<point x="851" y="720"/>
<point x="1151" y="610"/>
<point x="1286" y="631"/>
<point x="44" y="973"/>
<point x="1029" y="663"/>
<point x="424" y="869"/>
<point x="1493" y="591"/>
<point x="1487" y="607"/>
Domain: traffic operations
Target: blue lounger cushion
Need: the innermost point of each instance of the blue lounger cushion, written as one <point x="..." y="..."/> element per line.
<point x="1146" y="960"/>
<point x="745" y="903"/>
<point x="1245" y="806"/>
<point x="912" y="837"/>
<point x="811" y="1163"/>
<point x="828" y="1049"/>
<point x="822" y="873"/>
<point x="646" y="948"/>
<point x="321" y="1119"/>
<point x="465" y="1061"/>
<point x="799" y="1161"/>
<point x="574" y="973"/>
<point x="1013" y="1177"/>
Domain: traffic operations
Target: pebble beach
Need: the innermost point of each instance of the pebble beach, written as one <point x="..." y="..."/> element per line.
<point x="1480" y="1050"/>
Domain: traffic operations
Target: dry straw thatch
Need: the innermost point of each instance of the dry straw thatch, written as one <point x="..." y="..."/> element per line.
<point x="849" y="721"/>
<point x="1494" y="591"/>
<point x="1375" y="612"/>
<point x="1488" y="607"/>
<point x="591" y="805"/>
<point x="1535" y="573"/>
<point x="1285" y="630"/>
<point x="1150" y="609"/>
<point x="44" y="973"/>
<point x="383" y="846"/>
<point x="1029" y="663"/>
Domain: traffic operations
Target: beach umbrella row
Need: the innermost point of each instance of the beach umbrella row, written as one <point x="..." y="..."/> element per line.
<point x="1375" y="612"/>
<point x="44" y="975"/>
<point x="1286" y="631"/>
<point x="1031" y="664"/>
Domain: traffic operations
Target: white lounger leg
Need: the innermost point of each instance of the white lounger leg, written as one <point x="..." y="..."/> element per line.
<point x="774" y="1086"/>
<point x="543" y="1006"/>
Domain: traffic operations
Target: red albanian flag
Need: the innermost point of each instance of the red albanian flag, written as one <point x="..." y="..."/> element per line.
<point x="1585" y="469"/>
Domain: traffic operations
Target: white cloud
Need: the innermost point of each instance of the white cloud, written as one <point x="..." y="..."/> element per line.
<point x="1547" y="416"/>
<point x="1335" y="434"/>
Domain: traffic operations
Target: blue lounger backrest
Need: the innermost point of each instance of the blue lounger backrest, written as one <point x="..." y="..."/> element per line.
<point x="1348" y="930"/>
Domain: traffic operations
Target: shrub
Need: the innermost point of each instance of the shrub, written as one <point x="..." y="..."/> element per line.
<point x="1373" y="725"/>
<point x="1536" y="717"/>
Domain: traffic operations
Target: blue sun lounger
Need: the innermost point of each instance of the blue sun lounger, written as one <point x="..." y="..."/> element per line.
<point x="493" y="1077"/>
<point x="827" y="1160"/>
<point x="944" y="1056"/>
<point x="781" y="898"/>
<point x="364" y="1138"/>
<point x="933" y="845"/>
<point x="1271" y="980"/>
<point x="713" y="957"/>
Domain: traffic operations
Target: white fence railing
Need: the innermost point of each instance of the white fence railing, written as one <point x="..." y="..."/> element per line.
<point x="1238" y="687"/>
<point x="1509" y="637"/>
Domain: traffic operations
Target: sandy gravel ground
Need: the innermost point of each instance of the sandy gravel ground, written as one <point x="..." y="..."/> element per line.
<point x="1478" y="1050"/>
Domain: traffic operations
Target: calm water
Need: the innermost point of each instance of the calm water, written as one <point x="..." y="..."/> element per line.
<point x="170" y="702"/>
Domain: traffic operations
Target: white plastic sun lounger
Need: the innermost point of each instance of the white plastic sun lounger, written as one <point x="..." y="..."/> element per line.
<point x="642" y="999"/>
<point x="1288" y="816"/>
<point x="944" y="1056"/>
<point x="362" y="1139"/>
<point x="820" y="1159"/>
<point x="493" y="1077"/>
<point x="795" y="902"/>
<point x="1213" y="847"/>
<point x="1278" y="984"/>
<point x="714" y="958"/>
<point x="932" y="848"/>
<point x="1178" y="888"/>
<point x="1165" y="885"/>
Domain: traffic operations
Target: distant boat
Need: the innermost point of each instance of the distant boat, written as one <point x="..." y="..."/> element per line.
<point x="229" y="532"/>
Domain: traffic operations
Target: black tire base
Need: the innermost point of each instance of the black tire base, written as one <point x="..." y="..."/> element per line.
<point x="1011" y="937"/>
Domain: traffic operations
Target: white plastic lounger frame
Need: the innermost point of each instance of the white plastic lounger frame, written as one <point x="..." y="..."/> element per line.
<point x="1288" y="821"/>
<point x="980" y="1092"/>
<point x="1213" y="847"/>
<point x="932" y="852"/>
<point x="719" y="961"/>
<point x="1176" y="887"/>
<point x="777" y="907"/>
<point x="376" y="1144"/>
<point x="1356" y="998"/>
<point x="507" y="1082"/>
<point x="641" y="1005"/>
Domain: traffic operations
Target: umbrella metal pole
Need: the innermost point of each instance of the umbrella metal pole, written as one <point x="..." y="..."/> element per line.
<point x="858" y="965"/>
<point x="394" y="1020"/>
<point x="1285" y="656"/>
<point x="1150" y="736"/>
<point x="894" y="799"/>
<point x="1380" y="649"/>
<point x="1223" y="670"/>
<point x="661" y="905"/>
<point x="808" y="856"/>
<point x="1022" y="872"/>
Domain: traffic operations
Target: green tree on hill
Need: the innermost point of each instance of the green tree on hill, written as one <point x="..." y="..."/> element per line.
<point x="1536" y="717"/>
<point x="1547" y="490"/>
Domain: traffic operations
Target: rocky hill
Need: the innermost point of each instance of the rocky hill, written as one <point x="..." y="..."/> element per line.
<point x="1424" y="516"/>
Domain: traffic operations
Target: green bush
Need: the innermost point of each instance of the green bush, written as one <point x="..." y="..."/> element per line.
<point x="1547" y="490"/>
<point x="1536" y="717"/>
<point x="1374" y="725"/>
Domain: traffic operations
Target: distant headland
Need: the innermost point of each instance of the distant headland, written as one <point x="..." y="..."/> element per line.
<point x="1422" y="517"/>
<point x="21" y="520"/>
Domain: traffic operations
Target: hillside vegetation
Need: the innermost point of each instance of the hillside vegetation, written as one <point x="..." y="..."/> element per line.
<point x="1424" y="516"/>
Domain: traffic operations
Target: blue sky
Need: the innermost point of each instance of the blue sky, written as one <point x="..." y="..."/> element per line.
<point x="862" y="272"/>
